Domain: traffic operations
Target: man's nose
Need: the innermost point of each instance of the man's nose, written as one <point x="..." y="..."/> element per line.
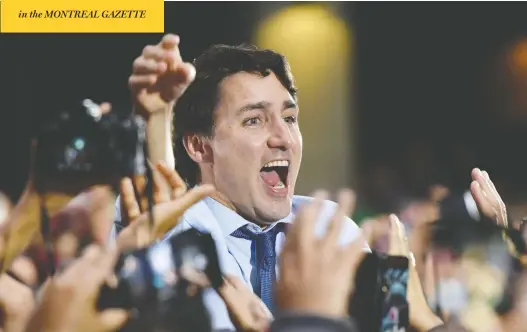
<point x="280" y="135"/>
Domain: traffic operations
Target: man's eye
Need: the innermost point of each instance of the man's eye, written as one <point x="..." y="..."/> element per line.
<point x="251" y="122"/>
<point x="290" y="119"/>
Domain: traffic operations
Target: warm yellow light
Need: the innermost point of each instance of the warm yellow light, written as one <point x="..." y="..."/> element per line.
<point x="317" y="44"/>
<point x="519" y="55"/>
<point x="311" y="37"/>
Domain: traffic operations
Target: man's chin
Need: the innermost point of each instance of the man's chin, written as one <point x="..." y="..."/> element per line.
<point x="274" y="211"/>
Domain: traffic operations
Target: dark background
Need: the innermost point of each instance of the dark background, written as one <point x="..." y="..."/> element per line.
<point x="432" y="94"/>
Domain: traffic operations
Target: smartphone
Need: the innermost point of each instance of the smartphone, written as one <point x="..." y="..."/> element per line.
<point x="394" y="286"/>
<point x="379" y="301"/>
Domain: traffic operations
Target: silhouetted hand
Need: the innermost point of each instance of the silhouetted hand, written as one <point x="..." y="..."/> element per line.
<point x="69" y="299"/>
<point x="487" y="197"/>
<point x="169" y="206"/>
<point x="316" y="274"/>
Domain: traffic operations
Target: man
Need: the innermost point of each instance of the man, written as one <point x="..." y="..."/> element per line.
<point x="236" y="127"/>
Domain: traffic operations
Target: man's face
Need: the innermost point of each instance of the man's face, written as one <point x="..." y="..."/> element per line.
<point x="256" y="147"/>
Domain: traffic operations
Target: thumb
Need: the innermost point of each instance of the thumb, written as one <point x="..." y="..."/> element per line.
<point x="185" y="74"/>
<point x="5" y="208"/>
<point x="112" y="319"/>
<point x="396" y="245"/>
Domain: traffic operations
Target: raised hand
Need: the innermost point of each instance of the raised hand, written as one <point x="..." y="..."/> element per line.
<point x="169" y="206"/>
<point x="487" y="197"/>
<point x="69" y="299"/>
<point x="316" y="274"/>
<point x="159" y="77"/>
<point x="421" y="316"/>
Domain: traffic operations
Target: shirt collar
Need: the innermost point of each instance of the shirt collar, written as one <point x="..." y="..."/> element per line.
<point x="229" y="220"/>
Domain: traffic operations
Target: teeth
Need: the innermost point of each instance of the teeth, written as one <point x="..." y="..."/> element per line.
<point x="279" y="185"/>
<point x="277" y="163"/>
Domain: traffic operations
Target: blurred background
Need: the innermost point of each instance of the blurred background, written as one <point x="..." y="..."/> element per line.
<point x="394" y="97"/>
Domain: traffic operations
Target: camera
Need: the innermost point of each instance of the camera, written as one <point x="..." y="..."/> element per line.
<point x="84" y="147"/>
<point x="163" y="285"/>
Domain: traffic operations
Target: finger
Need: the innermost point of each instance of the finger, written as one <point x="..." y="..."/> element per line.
<point x="482" y="201"/>
<point x="113" y="319"/>
<point x="153" y="52"/>
<point x="184" y="74"/>
<point x="169" y="41"/>
<point x="474" y="173"/>
<point x="177" y="185"/>
<point x="367" y="234"/>
<point x="396" y="246"/>
<point x="78" y="269"/>
<point x="112" y="281"/>
<point x="130" y="206"/>
<point x="304" y="224"/>
<point x="497" y="200"/>
<point x="168" y="214"/>
<point x="5" y="208"/>
<point x="138" y="82"/>
<point x="144" y="66"/>
<point x="172" y="53"/>
<point x="100" y="270"/>
<point x="489" y="182"/>
<point x="345" y="204"/>
<point x="105" y="107"/>
<point x="265" y="311"/>
<point x="480" y="178"/>
<point x="259" y="311"/>
<point x="107" y="260"/>
<point x="187" y="71"/>
<point x="491" y="185"/>
<point x="403" y="240"/>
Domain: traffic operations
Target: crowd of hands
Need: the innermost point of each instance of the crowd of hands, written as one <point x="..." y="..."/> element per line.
<point x="316" y="273"/>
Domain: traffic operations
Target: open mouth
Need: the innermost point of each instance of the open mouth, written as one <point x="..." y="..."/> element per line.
<point x="274" y="174"/>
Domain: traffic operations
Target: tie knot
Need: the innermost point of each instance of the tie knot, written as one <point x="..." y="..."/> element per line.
<point x="253" y="232"/>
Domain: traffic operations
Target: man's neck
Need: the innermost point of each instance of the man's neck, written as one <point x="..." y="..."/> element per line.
<point x="222" y="199"/>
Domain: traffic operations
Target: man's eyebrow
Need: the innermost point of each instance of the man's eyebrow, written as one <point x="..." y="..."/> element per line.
<point x="262" y="105"/>
<point x="288" y="104"/>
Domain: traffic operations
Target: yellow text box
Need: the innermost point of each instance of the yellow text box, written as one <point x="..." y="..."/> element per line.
<point x="82" y="16"/>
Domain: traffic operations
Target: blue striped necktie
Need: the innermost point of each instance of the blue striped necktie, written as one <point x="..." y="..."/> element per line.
<point x="265" y="259"/>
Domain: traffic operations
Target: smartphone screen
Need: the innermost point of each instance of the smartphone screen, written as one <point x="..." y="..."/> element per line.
<point x="394" y="285"/>
<point x="379" y="301"/>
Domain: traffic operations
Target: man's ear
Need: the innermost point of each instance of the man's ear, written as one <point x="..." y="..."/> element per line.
<point x="198" y="148"/>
